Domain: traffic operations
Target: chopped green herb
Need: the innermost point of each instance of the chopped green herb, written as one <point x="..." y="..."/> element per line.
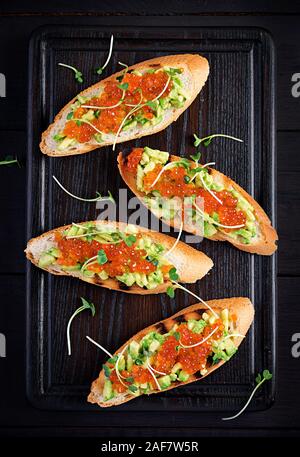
<point x="186" y="179"/>
<point x="130" y="240"/>
<point x="171" y="292"/>
<point x="133" y="388"/>
<point x="152" y="105"/>
<point x="101" y="257"/>
<point x="173" y="275"/>
<point x="97" y="113"/>
<point x="130" y="379"/>
<point x="123" y="86"/>
<point x="138" y="362"/>
<point x="70" y="115"/>
<point x="176" y="335"/>
<point x="79" y="123"/>
<point x="106" y="371"/>
<point x="113" y="359"/>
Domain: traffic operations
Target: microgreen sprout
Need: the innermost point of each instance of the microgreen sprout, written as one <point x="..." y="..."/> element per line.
<point x="85" y="305"/>
<point x="100" y="69"/>
<point x="90" y="200"/>
<point x="78" y="74"/>
<point x="9" y="160"/>
<point x="260" y="379"/>
<point x="207" y="140"/>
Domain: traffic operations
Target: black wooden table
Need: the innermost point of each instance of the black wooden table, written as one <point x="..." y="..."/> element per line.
<point x="16" y="25"/>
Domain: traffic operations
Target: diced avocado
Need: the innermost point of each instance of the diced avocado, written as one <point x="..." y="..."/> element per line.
<point x="176" y="367"/>
<point x="81" y="99"/>
<point x="66" y="143"/>
<point x="144" y="385"/>
<point x="107" y="390"/>
<point x="183" y="376"/>
<point x="157" y="155"/>
<point x="59" y="137"/>
<point x="156" y="120"/>
<point x="103" y="275"/>
<point x="98" y="137"/>
<point x="134" y="348"/>
<point x="230" y="348"/>
<point x="129" y="362"/>
<point x="154" y="346"/>
<point x="72" y="231"/>
<point x="159" y="337"/>
<point x="164" y="102"/>
<point x="176" y="103"/>
<point x="71" y="267"/>
<point x="46" y="260"/>
<point x="220" y="354"/>
<point x="203" y="372"/>
<point x="89" y="116"/>
<point x="88" y="273"/>
<point x="191" y="324"/>
<point x="212" y="320"/>
<point x="121" y="363"/>
<point x="54" y="251"/>
<point x="149" y="167"/>
<point x="209" y="229"/>
<point x="173" y="376"/>
<point x="137" y="73"/>
<point x="140" y="178"/>
<point x="199" y="326"/>
<point x="225" y="318"/>
<point x="164" y="381"/>
<point x="127" y="278"/>
<point x="130" y="125"/>
<point x="205" y="317"/>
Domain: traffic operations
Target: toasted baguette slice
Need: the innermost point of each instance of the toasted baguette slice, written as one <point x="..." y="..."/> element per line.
<point x="265" y="241"/>
<point x="194" y="75"/>
<point x="241" y="307"/>
<point x="190" y="264"/>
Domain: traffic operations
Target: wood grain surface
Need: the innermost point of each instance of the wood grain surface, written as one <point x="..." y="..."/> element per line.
<point x="19" y="417"/>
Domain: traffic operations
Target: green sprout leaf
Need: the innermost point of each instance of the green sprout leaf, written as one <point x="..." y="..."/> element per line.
<point x="123" y="86"/>
<point x="132" y="388"/>
<point x="171" y="292"/>
<point x="130" y="240"/>
<point x="9" y="161"/>
<point x="260" y="379"/>
<point x="176" y="336"/>
<point x="101" y="257"/>
<point x="77" y="73"/>
<point x="152" y="105"/>
<point x="173" y="275"/>
<point x="85" y="305"/>
<point x="130" y="379"/>
<point x="207" y="140"/>
<point x="196" y="157"/>
<point x="70" y="115"/>
<point x="106" y="370"/>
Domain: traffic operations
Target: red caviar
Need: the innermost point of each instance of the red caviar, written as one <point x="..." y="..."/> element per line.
<point x="121" y="258"/>
<point x="172" y="183"/>
<point x="134" y="159"/>
<point x="140" y="90"/>
<point x="192" y="359"/>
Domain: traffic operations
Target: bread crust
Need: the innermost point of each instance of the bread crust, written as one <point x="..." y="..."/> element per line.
<point x="190" y="263"/>
<point x="197" y="67"/>
<point x="241" y="306"/>
<point x="265" y="244"/>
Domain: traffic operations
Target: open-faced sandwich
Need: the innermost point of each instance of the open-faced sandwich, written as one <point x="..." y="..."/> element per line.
<point x="177" y="351"/>
<point x="228" y="212"/>
<point x="118" y="256"/>
<point x="141" y="100"/>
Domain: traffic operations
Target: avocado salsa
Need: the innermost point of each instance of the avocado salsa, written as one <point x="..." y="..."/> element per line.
<point x="131" y="258"/>
<point x="161" y="360"/>
<point x="160" y="176"/>
<point x="134" y="99"/>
